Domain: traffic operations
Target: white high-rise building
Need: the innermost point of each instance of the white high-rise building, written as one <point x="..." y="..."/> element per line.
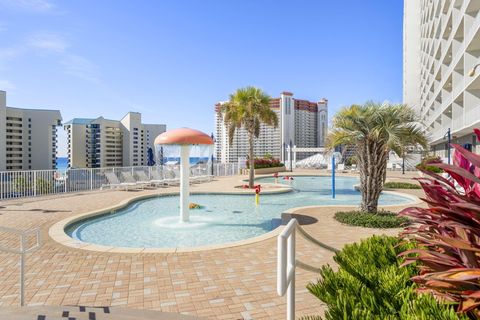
<point x="441" y="46"/>
<point x="301" y="123"/>
<point x="96" y="143"/>
<point x="28" y="137"/>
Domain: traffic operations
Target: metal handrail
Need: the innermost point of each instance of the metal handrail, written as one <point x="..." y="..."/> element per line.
<point x="22" y="250"/>
<point x="287" y="263"/>
<point x="286" y="266"/>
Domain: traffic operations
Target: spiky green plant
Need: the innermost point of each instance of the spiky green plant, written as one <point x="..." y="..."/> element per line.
<point x="370" y="284"/>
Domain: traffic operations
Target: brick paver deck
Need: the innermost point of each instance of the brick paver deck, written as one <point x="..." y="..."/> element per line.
<point x="232" y="283"/>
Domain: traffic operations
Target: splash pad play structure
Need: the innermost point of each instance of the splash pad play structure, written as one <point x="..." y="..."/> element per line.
<point x="181" y="142"/>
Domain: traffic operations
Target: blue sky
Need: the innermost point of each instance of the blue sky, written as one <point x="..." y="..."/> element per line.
<point x="173" y="60"/>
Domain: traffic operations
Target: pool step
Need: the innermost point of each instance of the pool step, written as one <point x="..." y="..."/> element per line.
<point x="86" y="313"/>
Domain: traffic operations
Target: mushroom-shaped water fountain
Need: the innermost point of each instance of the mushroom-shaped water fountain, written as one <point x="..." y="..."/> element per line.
<point x="184" y="138"/>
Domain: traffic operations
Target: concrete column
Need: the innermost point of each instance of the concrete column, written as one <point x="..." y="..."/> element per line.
<point x="184" y="183"/>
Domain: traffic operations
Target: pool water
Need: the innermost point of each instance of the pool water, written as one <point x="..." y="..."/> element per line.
<point x="154" y="222"/>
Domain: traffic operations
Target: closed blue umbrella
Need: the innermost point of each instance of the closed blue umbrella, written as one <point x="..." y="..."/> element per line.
<point x="150" y="158"/>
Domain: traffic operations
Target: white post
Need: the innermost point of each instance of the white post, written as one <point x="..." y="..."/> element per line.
<point x="291" y="287"/>
<point x="288" y="158"/>
<point x="184" y="182"/>
<point x="91" y="179"/>
<point x="294" y="165"/>
<point x="34" y="183"/>
<point x="286" y="266"/>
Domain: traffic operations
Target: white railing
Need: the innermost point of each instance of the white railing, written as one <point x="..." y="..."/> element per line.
<point x="24" y="246"/>
<point x="286" y="266"/>
<point x="33" y="183"/>
<point x="287" y="263"/>
<point x="226" y="169"/>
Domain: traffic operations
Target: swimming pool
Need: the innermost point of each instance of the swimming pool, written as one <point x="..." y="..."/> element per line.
<point x="154" y="222"/>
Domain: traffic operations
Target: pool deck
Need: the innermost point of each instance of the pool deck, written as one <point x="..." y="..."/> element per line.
<point x="229" y="283"/>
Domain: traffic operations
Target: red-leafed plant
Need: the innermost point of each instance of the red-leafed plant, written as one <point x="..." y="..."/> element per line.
<point x="447" y="232"/>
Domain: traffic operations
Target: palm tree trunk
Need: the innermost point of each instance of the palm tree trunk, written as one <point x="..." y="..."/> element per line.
<point x="251" y="172"/>
<point x="372" y="165"/>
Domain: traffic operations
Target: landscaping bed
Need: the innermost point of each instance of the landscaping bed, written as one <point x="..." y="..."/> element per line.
<point x="401" y="185"/>
<point x="381" y="219"/>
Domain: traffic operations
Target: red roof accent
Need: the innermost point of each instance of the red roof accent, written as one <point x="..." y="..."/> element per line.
<point x="305" y="105"/>
<point x="287" y="93"/>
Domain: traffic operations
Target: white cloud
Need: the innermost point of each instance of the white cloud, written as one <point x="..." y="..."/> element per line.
<point x="9" y="53"/>
<point x="55" y="45"/>
<point x="48" y="41"/>
<point x="29" y="5"/>
<point x="80" y="67"/>
<point x="6" y="85"/>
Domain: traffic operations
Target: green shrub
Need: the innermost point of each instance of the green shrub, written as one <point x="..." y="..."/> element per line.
<point x="262" y="163"/>
<point x="401" y="185"/>
<point x="350" y="161"/>
<point x="381" y="219"/>
<point x="426" y="162"/>
<point x="370" y="284"/>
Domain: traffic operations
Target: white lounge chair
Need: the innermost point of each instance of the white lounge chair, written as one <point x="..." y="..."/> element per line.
<point x="143" y="177"/>
<point x="158" y="177"/>
<point x="169" y="179"/>
<point x="128" y="177"/>
<point x="201" y="178"/>
<point x="200" y="174"/>
<point x="113" y="182"/>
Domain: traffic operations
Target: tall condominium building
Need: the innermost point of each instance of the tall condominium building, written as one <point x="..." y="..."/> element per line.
<point x="28" y="137"/>
<point x="301" y="123"/>
<point x="96" y="143"/>
<point x="441" y="46"/>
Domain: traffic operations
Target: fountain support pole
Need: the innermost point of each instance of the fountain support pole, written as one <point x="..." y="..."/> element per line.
<point x="184" y="183"/>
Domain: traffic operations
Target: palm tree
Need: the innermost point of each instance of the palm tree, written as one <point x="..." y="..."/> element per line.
<point x="375" y="130"/>
<point x="248" y="108"/>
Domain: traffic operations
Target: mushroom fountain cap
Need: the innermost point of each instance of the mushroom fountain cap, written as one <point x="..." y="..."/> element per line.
<point x="183" y="136"/>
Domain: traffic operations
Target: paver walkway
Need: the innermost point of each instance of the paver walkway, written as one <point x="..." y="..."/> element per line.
<point x="233" y="283"/>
